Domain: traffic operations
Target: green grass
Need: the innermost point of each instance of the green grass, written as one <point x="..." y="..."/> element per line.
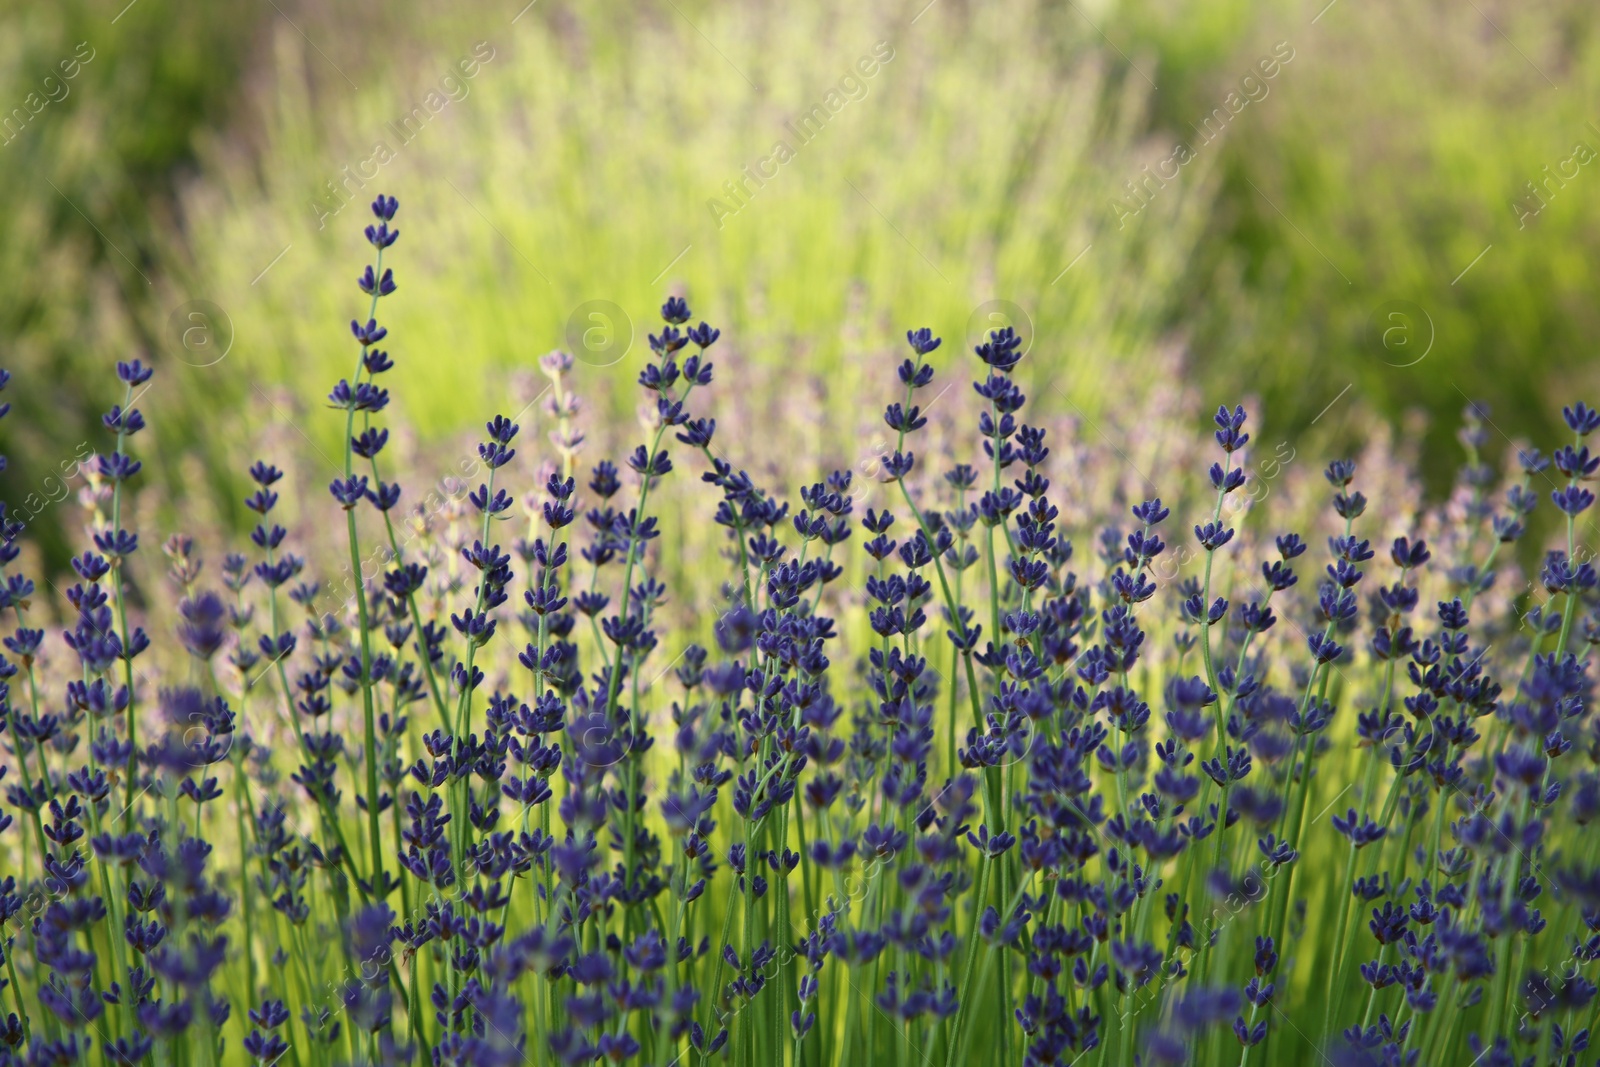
<point x="579" y="167"/>
<point x="87" y="163"/>
<point x="1383" y="164"/>
<point x="979" y="163"/>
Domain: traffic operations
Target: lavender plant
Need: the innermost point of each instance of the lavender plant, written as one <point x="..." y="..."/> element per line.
<point x="933" y="799"/>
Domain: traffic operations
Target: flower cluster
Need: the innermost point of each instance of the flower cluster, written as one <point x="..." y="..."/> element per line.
<point x="924" y="786"/>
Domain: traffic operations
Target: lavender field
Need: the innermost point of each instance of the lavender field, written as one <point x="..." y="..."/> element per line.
<point x="708" y="532"/>
<point x="979" y="753"/>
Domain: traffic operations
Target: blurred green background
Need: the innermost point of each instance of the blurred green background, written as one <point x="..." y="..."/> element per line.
<point x="1340" y="212"/>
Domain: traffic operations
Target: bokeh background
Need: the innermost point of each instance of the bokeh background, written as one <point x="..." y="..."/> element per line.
<point x="1340" y="212"/>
